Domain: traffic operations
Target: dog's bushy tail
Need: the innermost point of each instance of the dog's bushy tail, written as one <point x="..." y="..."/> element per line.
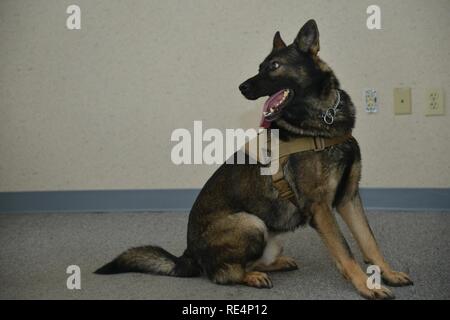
<point x="151" y="259"/>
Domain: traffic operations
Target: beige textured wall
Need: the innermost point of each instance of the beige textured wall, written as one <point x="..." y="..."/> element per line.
<point x="94" y="109"/>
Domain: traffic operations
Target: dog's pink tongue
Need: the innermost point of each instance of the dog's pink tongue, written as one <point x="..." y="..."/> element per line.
<point x="264" y="123"/>
<point x="272" y="100"/>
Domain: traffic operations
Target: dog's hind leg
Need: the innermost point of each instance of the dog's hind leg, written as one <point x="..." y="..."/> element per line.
<point x="281" y="263"/>
<point x="272" y="260"/>
<point x="236" y="241"/>
<point x="352" y="212"/>
<point x="236" y="274"/>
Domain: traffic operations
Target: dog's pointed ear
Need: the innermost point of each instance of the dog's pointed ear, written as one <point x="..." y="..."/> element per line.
<point x="278" y="43"/>
<point x="308" y="38"/>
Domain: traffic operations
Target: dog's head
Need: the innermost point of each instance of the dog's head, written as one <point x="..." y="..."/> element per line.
<point x="289" y="73"/>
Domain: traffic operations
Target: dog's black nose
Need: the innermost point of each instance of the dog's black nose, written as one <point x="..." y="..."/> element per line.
<point x="244" y="87"/>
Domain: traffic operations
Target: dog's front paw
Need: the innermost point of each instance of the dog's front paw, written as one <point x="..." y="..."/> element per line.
<point x="376" y="294"/>
<point x="396" y="279"/>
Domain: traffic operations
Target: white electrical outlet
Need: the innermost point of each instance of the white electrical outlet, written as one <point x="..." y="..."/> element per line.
<point x="370" y="98"/>
<point x="434" y="102"/>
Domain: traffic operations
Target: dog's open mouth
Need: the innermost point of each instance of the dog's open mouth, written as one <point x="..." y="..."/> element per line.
<point x="273" y="106"/>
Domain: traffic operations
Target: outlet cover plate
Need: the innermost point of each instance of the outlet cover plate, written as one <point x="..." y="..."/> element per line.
<point x="402" y="100"/>
<point x="370" y="98"/>
<point x="434" y="102"/>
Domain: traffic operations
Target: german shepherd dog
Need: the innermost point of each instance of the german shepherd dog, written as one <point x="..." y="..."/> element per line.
<point x="235" y="221"/>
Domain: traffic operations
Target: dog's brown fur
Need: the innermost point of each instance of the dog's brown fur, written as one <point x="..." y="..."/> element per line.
<point x="234" y="223"/>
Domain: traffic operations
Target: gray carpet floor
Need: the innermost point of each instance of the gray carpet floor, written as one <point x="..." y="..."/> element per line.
<point x="37" y="248"/>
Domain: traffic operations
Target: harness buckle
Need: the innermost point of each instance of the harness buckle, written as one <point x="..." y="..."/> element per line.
<point x="319" y="143"/>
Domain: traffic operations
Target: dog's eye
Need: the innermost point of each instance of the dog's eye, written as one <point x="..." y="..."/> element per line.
<point x="274" y="65"/>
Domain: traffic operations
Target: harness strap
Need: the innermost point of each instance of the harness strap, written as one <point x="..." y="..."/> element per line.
<point x="309" y="143"/>
<point x="281" y="184"/>
<point x="286" y="148"/>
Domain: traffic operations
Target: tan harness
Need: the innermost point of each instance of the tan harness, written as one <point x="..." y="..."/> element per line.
<point x="286" y="148"/>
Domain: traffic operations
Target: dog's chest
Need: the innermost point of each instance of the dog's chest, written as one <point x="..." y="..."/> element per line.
<point x="316" y="176"/>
